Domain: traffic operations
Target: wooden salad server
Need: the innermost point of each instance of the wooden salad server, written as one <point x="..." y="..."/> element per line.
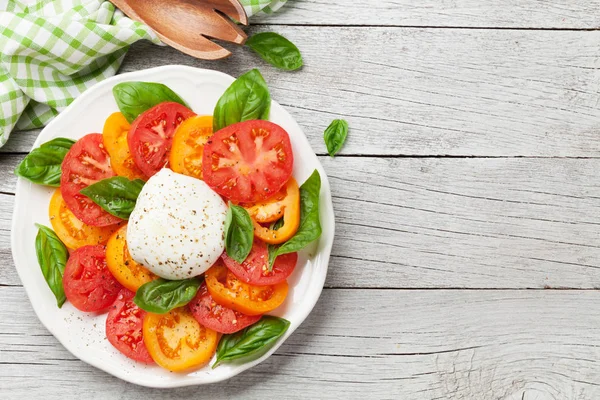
<point x="187" y="24"/>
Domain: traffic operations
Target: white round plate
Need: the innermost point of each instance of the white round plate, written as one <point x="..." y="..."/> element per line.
<point x="83" y="333"/>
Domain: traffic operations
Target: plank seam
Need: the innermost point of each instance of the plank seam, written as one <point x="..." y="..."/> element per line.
<point x="500" y="28"/>
<point x="454" y="156"/>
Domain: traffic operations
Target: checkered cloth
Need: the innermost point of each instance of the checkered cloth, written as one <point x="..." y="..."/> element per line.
<point x="53" y="50"/>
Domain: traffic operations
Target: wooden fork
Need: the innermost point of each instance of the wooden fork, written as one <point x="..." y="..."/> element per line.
<point x="187" y="24"/>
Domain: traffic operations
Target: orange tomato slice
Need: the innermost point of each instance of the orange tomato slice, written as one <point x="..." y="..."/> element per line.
<point x="114" y="136"/>
<point x="73" y="232"/>
<point x="228" y="291"/>
<point x="188" y="144"/>
<point x="286" y="204"/>
<point x="119" y="262"/>
<point x="177" y="342"/>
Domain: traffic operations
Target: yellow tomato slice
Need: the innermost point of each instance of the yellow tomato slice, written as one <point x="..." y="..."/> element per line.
<point x="228" y="291"/>
<point x="177" y="342"/>
<point x="114" y="136"/>
<point x="119" y="262"/>
<point x="188" y="142"/>
<point x="286" y="204"/>
<point x="73" y="232"/>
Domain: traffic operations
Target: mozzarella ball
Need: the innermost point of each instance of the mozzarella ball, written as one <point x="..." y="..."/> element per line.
<point x="177" y="228"/>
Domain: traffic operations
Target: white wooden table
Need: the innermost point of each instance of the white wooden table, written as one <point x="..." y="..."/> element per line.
<point x="467" y="255"/>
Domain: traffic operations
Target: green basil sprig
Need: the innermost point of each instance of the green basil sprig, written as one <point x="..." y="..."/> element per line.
<point x="276" y="50"/>
<point x="310" y="226"/>
<point x="335" y="135"/>
<point x="239" y="233"/>
<point x="252" y="342"/>
<point x="52" y="256"/>
<point x="161" y="296"/>
<point x="247" y="98"/>
<point x="117" y="195"/>
<point x="42" y="165"/>
<point x="133" y="98"/>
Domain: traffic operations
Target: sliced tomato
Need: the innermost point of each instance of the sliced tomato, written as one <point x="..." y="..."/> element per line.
<point x="72" y="231"/>
<point x="124" y="327"/>
<point x="177" y="342"/>
<point x="188" y="145"/>
<point x="286" y="204"/>
<point x="227" y="290"/>
<point x="271" y="209"/>
<point x="217" y="317"/>
<point x="86" y="162"/>
<point x="114" y="134"/>
<point x="248" y="162"/>
<point x="255" y="268"/>
<point x="119" y="262"/>
<point x="87" y="282"/>
<point x="151" y="135"/>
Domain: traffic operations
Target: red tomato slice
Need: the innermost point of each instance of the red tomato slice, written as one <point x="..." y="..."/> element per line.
<point x="217" y="317"/>
<point x="124" y="327"/>
<point x="255" y="268"/>
<point x="86" y="162"/>
<point x="249" y="161"/>
<point x="88" y="283"/>
<point x="151" y="135"/>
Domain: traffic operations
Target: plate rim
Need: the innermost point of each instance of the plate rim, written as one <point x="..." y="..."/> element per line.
<point x="327" y="221"/>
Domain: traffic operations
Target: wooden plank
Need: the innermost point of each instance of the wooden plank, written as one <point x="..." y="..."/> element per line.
<point x="8" y="180"/>
<point x="20" y="142"/>
<point x="436" y="92"/>
<point x="380" y="344"/>
<point x="572" y="14"/>
<point x="436" y="223"/>
<point x="563" y="14"/>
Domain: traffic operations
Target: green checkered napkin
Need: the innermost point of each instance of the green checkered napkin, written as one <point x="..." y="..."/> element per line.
<point x="53" y="50"/>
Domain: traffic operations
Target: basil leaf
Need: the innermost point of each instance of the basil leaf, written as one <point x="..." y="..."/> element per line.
<point x="272" y="255"/>
<point x="272" y="248"/>
<point x="52" y="256"/>
<point x="117" y="195"/>
<point x="252" y="342"/>
<point x="277" y="224"/>
<point x="161" y="296"/>
<point x="247" y="98"/>
<point x="42" y="165"/>
<point x="276" y="50"/>
<point x="133" y="98"/>
<point x="239" y="233"/>
<point x="310" y="225"/>
<point x="335" y="135"/>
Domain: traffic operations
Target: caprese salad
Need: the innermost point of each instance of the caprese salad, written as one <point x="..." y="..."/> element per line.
<point x="182" y="228"/>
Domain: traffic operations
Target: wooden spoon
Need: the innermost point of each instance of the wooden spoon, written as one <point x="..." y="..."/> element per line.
<point x="186" y="24"/>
